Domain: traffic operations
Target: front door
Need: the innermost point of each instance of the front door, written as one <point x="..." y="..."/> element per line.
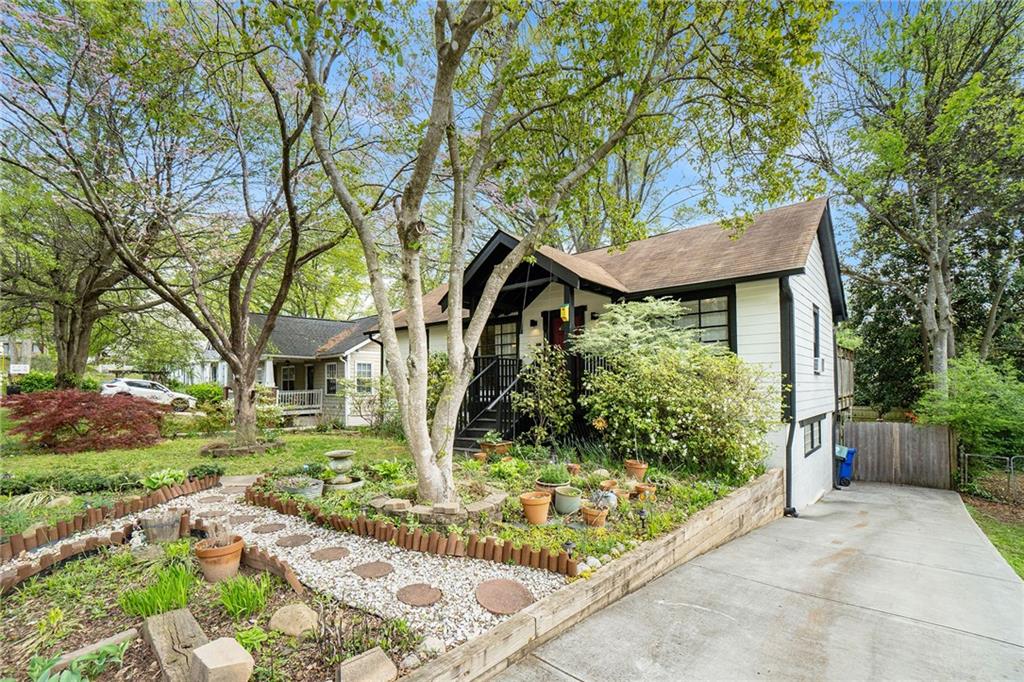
<point x="310" y="374"/>
<point x="556" y="327"/>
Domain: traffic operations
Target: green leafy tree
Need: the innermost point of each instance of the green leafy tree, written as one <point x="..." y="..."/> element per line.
<point x="505" y="86"/>
<point x="984" y="405"/>
<point x="546" y="394"/>
<point x="920" y="123"/>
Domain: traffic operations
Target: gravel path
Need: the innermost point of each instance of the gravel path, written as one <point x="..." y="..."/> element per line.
<point x="455" y="618"/>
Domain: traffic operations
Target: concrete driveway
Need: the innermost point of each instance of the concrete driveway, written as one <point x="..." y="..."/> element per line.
<point x="874" y="582"/>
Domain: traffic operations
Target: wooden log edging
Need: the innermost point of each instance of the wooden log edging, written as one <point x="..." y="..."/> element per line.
<point x="415" y="539"/>
<point x="752" y="506"/>
<point x="90" y="518"/>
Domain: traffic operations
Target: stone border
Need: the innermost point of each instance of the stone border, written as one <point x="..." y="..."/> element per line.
<point x="42" y="536"/>
<point x="444" y="514"/>
<point x="487" y="548"/>
<point x="752" y="506"/>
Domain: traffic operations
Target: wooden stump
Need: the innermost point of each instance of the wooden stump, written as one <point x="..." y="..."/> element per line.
<point x="172" y="636"/>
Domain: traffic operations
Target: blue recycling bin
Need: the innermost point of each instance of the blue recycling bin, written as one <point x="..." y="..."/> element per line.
<point x="844" y="456"/>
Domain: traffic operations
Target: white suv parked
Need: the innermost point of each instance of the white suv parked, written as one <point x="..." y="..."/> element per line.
<point x="150" y="390"/>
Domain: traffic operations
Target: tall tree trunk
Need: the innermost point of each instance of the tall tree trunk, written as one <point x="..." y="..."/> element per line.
<point x="243" y="387"/>
<point x="72" y="333"/>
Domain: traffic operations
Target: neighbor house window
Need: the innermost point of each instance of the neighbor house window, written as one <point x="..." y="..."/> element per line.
<point x="288" y="378"/>
<point x="812" y="433"/>
<point x="331" y="378"/>
<point x="364" y="377"/>
<point x="213" y="371"/>
<point x="710" y="316"/>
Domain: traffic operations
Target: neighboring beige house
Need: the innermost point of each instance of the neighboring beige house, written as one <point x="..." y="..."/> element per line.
<point x="772" y="295"/>
<point x="317" y="367"/>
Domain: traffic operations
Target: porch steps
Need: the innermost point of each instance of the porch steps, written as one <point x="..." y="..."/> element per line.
<point x="466" y="440"/>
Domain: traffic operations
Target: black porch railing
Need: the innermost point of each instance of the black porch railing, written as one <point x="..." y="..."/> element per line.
<point x="490" y="391"/>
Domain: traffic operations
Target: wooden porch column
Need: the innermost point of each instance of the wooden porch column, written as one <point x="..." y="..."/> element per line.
<point x="268" y="372"/>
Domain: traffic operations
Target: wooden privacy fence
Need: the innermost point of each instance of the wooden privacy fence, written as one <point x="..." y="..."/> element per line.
<point x="906" y="454"/>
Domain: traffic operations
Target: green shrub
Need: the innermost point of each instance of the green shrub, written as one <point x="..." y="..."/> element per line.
<point x="72" y="482"/>
<point x="546" y="395"/>
<point x="45" y="381"/>
<point x="158" y="479"/>
<point x="213" y="418"/>
<point x="205" y="393"/>
<point x="553" y="473"/>
<point x="170" y="591"/>
<point x="666" y="397"/>
<point x="243" y="597"/>
<point x="509" y="470"/>
<point x="388" y="470"/>
<point x="984" y="405"/>
<point x="207" y="469"/>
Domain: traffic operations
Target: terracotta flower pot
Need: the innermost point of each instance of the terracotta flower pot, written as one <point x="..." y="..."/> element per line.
<point x="535" y="506"/>
<point x="645" y="491"/>
<point x="480" y="457"/>
<point x="218" y="563"/>
<point x="499" y="448"/>
<point x="608" y="483"/>
<point x="636" y="469"/>
<point x="548" y="488"/>
<point x="621" y="493"/>
<point x="574" y="469"/>
<point x="592" y="516"/>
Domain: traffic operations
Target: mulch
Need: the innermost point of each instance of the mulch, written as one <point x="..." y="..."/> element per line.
<point x="1000" y="511"/>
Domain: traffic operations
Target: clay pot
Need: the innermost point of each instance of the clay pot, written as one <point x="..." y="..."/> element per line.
<point x="500" y="448"/>
<point x="535" y="506"/>
<point x="480" y="457"/>
<point x="621" y="493"/>
<point x="592" y="516"/>
<point x="608" y="483"/>
<point x="574" y="469"/>
<point x="218" y="563"/>
<point x="636" y="469"/>
<point x="548" y="488"/>
<point x="645" y="491"/>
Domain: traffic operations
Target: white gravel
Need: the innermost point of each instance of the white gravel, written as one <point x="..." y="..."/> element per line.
<point x="457" y="617"/>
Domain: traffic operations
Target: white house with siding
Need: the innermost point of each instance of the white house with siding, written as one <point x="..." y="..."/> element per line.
<point x="772" y="295"/>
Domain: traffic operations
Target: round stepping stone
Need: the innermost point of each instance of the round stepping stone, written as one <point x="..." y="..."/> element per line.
<point x="374" y="569"/>
<point x="329" y="554"/>
<point x="502" y="596"/>
<point x="419" y="594"/>
<point x="242" y="518"/>
<point x="268" y="528"/>
<point x="293" y="540"/>
<point x="212" y="498"/>
<point x="213" y="514"/>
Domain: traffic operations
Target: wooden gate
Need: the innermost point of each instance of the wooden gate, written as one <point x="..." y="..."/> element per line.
<point x="906" y="454"/>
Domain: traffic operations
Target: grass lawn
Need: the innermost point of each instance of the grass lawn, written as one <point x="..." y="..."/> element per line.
<point x="1007" y="536"/>
<point x="182" y="453"/>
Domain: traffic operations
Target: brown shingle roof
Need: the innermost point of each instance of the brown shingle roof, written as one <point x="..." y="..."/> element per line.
<point x="349" y="337"/>
<point x="778" y="240"/>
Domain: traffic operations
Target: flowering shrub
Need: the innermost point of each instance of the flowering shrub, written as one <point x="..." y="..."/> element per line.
<point x="663" y="395"/>
<point x="546" y="396"/>
<point x="74" y="420"/>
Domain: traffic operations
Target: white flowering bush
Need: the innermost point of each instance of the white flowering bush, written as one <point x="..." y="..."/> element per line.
<point x="677" y="401"/>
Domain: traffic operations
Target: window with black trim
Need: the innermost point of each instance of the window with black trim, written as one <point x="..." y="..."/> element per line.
<point x="331" y="378"/>
<point x="710" y="316"/>
<point x="812" y="433"/>
<point x="500" y="338"/>
<point x="818" y="364"/>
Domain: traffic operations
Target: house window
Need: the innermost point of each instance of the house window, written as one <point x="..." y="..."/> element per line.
<point x="288" y="378"/>
<point x="364" y="377"/>
<point x="331" y="378"/>
<point x="812" y="433"/>
<point x="818" y="364"/>
<point x="500" y="339"/>
<point x="213" y="371"/>
<point x="710" y="316"/>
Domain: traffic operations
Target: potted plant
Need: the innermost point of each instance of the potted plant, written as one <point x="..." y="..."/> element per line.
<point x="595" y="510"/>
<point x="551" y="476"/>
<point x="492" y="444"/>
<point x="219" y="554"/>
<point x="636" y="468"/>
<point x="574" y="468"/>
<point x="645" y="491"/>
<point x="609" y="483"/>
<point x="535" y="506"/>
<point x="567" y="499"/>
<point x="164" y="526"/>
<point x="481" y="457"/>
<point x="302" y="486"/>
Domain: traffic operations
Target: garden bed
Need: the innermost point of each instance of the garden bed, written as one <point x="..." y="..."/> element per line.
<point x="78" y="605"/>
